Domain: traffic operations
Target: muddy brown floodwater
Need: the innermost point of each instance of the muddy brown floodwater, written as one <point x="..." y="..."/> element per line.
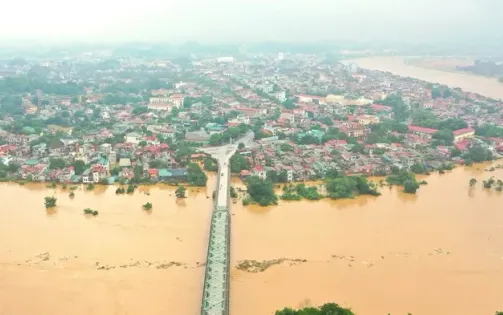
<point x="438" y="252"/>
<point x="123" y="261"/>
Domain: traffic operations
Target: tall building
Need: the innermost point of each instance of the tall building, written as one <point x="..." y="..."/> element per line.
<point x="353" y="67"/>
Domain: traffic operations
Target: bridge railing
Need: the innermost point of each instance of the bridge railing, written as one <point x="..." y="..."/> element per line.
<point x="215" y="299"/>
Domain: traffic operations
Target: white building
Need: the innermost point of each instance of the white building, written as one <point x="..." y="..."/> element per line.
<point x="166" y="103"/>
<point x="105" y="148"/>
<point x="132" y="137"/>
<point x="280" y="96"/>
<point x="225" y="59"/>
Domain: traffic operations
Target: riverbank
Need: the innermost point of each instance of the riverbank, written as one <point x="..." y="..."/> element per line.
<point x="444" y="64"/>
<point x="488" y="87"/>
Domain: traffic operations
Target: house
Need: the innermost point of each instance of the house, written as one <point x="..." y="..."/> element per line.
<point x="105" y="148"/>
<point x="421" y="130"/>
<point x="366" y="120"/>
<point x="87" y="177"/>
<point x="153" y="173"/>
<point x="280" y="96"/>
<point x="464" y="133"/>
<point x="132" y="137"/>
<point x="125" y="162"/>
<point x="259" y="171"/>
<point x="179" y="174"/>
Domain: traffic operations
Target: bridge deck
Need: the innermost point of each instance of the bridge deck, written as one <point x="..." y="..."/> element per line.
<point x="216" y="281"/>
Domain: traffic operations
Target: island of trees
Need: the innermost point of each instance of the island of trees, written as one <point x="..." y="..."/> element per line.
<point x="326" y="309"/>
<point x="336" y="186"/>
<point x="50" y="202"/>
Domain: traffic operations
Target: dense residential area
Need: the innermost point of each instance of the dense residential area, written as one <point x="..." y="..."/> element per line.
<point x="101" y="118"/>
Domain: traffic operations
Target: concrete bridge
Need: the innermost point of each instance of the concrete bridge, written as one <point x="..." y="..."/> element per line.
<point x="215" y="300"/>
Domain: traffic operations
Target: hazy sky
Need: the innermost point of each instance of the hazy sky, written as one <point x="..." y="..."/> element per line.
<point x="246" y="20"/>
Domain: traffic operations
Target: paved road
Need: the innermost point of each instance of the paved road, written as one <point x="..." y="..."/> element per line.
<point x="224" y="151"/>
<point x="216" y="281"/>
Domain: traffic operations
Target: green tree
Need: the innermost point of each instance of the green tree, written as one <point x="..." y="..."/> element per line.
<point x="210" y="164"/>
<point x="215" y="139"/>
<point x="79" y="167"/>
<point x="418" y="168"/>
<point x="147" y="206"/>
<point x="473" y="182"/>
<point x="180" y="192"/>
<point x="138" y="110"/>
<point x="479" y="154"/>
<point x="130" y="189"/>
<point x="400" y="177"/>
<point x="115" y="171"/>
<point x="410" y="186"/>
<point x="50" y="202"/>
<point x="400" y="109"/>
<point x="57" y="163"/>
<point x="241" y="146"/>
<point x="91" y="211"/>
<point x="445" y="135"/>
<point x="196" y="176"/>
<point x="326" y="309"/>
<point x="238" y="163"/>
<point x="489" y="130"/>
<point x="234" y="193"/>
<point x="261" y="191"/>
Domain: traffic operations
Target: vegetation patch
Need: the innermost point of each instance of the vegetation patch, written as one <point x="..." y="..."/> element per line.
<point x="255" y="266"/>
<point x="181" y="192"/>
<point x="147" y="206"/>
<point x="91" y="211"/>
<point x="50" y="202"/>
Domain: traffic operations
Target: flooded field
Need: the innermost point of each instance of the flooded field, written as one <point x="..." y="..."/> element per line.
<point x="489" y="87"/>
<point x="124" y="261"/>
<point x="429" y="253"/>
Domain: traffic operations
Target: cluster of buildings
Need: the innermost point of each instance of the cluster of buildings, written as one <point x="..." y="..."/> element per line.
<point x="284" y="100"/>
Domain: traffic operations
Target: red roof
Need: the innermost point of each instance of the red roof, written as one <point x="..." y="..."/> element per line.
<point x="463" y="131"/>
<point x="258" y="168"/>
<point x="379" y="108"/>
<point x="336" y="142"/>
<point x="462" y="145"/>
<point x="422" y="129"/>
<point x="245" y="173"/>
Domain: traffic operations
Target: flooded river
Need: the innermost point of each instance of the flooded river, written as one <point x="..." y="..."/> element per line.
<point x="439" y="252"/>
<point x="123" y="261"/>
<point x="489" y="87"/>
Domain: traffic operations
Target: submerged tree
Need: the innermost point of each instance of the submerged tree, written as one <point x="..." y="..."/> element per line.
<point x="91" y="211"/>
<point x="180" y="192"/>
<point x="473" y="181"/>
<point x="50" y="202"/>
<point x="326" y="309"/>
<point x="147" y="206"/>
<point x="410" y="187"/>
